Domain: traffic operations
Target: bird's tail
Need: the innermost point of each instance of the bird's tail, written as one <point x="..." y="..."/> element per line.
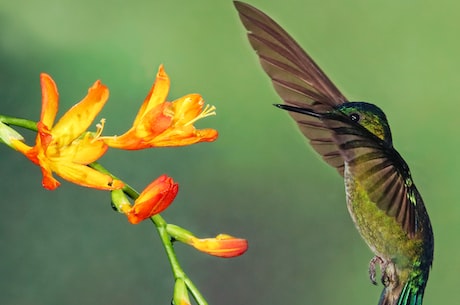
<point x="410" y="294"/>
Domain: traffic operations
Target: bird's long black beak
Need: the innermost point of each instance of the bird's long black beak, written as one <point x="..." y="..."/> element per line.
<point x="298" y="110"/>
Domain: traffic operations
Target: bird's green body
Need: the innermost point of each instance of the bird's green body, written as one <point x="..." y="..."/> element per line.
<point x="396" y="229"/>
<point x="355" y="138"/>
<point x="390" y="243"/>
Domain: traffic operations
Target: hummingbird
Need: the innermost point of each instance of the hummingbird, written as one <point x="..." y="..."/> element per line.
<point x="355" y="138"/>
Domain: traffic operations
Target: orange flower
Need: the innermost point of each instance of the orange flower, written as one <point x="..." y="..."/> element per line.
<point x="222" y="245"/>
<point x="161" y="123"/>
<point x="153" y="200"/>
<point x="66" y="148"/>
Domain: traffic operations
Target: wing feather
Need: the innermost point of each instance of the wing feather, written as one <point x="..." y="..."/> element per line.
<point x="296" y="78"/>
<point x="301" y="83"/>
<point x="379" y="168"/>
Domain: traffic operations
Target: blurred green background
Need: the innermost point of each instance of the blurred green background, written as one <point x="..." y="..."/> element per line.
<point x="260" y="180"/>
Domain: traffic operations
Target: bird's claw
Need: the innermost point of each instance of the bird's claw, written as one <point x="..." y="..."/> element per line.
<point x="376" y="259"/>
<point x="387" y="268"/>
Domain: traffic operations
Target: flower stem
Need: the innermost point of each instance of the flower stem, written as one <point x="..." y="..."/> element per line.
<point x="160" y="223"/>
<point x="28" y="124"/>
<point x="158" y="220"/>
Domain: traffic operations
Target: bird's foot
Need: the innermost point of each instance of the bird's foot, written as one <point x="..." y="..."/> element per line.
<point x="389" y="274"/>
<point x="375" y="260"/>
<point x="388" y="269"/>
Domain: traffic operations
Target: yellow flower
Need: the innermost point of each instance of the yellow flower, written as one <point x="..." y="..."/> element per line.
<point x="160" y="123"/>
<point x="65" y="147"/>
<point x="154" y="199"/>
<point x="223" y="245"/>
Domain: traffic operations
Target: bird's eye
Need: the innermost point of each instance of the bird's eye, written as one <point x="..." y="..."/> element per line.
<point x="354" y="117"/>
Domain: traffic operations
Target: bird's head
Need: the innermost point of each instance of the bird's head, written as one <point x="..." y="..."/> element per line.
<point x="369" y="116"/>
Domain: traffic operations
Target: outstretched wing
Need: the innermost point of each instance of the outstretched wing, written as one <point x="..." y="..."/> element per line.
<point x="296" y="78"/>
<point x="380" y="170"/>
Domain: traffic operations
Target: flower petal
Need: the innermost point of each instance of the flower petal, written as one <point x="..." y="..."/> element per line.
<point x="154" y="199"/>
<point x="187" y="108"/>
<point x="157" y="95"/>
<point x="222" y="245"/>
<point x="185" y="136"/>
<point x="20" y="146"/>
<point x="78" y="118"/>
<point x="48" y="181"/>
<point x="155" y="122"/>
<point x="82" y="151"/>
<point x="138" y="137"/>
<point x="50" y="100"/>
<point x="86" y="176"/>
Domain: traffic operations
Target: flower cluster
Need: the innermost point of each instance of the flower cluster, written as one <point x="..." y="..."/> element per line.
<point x="67" y="149"/>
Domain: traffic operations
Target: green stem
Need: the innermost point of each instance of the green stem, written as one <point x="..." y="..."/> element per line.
<point x="160" y="224"/>
<point x="159" y="221"/>
<point x="28" y="124"/>
<point x="195" y="292"/>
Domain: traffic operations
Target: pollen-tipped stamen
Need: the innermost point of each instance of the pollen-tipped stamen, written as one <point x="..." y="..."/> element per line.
<point x="100" y="128"/>
<point x="207" y="111"/>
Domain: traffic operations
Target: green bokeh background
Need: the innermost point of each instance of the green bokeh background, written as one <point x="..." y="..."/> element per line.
<point x="260" y="180"/>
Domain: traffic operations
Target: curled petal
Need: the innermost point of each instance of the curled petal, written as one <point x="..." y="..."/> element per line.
<point x="78" y="119"/>
<point x="86" y="176"/>
<point x="156" y="95"/>
<point x="186" y="136"/>
<point x="48" y="181"/>
<point x="140" y="136"/>
<point x="157" y="120"/>
<point x="22" y="148"/>
<point x="222" y="245"/>
<point x="187" y="108"/>
<point x="44" y="136"/>
<point x="50" y="100"/>
<point x="85" y="150"/>
<point x="153" y="200"/>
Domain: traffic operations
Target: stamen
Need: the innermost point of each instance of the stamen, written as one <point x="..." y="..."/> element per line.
<point x="100" y="127"/>
<point x="168" y="111"/>
<point x="207" y="111"/>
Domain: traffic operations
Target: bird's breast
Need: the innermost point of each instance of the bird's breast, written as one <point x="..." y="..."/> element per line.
<point x="382" y="233"/>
